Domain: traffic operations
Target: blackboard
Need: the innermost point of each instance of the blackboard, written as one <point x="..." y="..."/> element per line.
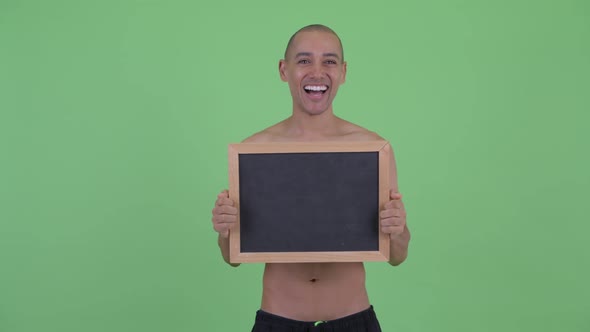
<point x="309" y="202"/>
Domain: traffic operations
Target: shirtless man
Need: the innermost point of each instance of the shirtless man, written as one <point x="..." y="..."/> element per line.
<point x="310" y="296"/>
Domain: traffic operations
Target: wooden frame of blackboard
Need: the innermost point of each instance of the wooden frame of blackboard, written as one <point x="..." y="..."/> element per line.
<point x="383" y="150"/>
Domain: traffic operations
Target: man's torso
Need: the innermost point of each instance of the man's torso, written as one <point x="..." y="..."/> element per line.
<point x="314" y="291"/>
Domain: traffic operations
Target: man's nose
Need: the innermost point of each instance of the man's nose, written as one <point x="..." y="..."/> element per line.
<point x="318" y="70"/>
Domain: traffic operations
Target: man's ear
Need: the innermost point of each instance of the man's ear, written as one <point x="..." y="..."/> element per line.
<point x="343" y="72"/>
<point x="282" y="69"/>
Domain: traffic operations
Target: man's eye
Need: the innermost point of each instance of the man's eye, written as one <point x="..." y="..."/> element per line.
<point x="303" y="61"/>
<point x="330" y="62"/>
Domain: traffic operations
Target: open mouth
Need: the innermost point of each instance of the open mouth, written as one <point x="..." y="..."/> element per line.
<point x="315" y="90"/>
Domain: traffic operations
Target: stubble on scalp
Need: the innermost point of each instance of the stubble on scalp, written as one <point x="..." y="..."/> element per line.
<point x="313" y="27"/>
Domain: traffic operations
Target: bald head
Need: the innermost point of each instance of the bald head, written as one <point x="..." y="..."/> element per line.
<point x="310" y="28"/>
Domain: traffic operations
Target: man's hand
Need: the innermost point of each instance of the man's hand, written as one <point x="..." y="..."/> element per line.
<point x="393" y="216"/>
<point x="225" y="215"/>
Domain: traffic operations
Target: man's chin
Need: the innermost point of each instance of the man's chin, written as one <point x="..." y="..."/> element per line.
<point x="315" y="112"/>
<point x="316" y="109"/>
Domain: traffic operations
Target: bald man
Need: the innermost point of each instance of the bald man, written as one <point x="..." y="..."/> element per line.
<point x="316" y="296"/>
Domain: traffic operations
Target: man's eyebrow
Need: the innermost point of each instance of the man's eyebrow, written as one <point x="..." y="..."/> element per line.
<point x="302" y="54"/>
<point x="334" y="55"/>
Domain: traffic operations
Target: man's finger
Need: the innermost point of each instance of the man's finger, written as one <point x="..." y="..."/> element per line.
<point x="228" y="218"/>
<point x="224" y="201"/>
<point x="225" y="209"/>
<point x="223" y="231"/>
<point x="395" y="230"/>
<point x="395" y="195"/>
<point x="225" y="219"/>
<point x="395" y="204"/>
<point x="390" y="213"/>
<point x="393" y="221"/>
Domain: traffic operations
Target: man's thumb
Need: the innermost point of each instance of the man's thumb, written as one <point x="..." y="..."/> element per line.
<point x="395" y="195"/>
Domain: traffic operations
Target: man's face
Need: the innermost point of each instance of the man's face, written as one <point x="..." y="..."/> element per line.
<point x="314" y="69"/>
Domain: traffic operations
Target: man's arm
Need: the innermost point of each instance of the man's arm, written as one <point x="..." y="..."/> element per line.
<point x="224" y="246"/>
<point x="393" y="220"/>
<point x="225" y="213"/>
<point x="224" y="218"/>
<point x="398" y="250"/>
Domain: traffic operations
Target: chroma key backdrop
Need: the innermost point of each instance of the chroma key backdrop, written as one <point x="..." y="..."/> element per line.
<point x="115" y="117"/>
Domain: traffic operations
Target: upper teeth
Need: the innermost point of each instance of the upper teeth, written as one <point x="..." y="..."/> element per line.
<point x="316" y="87"/>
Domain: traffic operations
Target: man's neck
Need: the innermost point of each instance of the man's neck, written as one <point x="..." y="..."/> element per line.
<point x="304" y="125"/>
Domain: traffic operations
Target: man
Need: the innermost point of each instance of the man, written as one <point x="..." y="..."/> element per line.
<point x="321" y="296"/>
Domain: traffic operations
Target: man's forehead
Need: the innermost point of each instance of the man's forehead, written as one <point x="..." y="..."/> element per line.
<point x="316" y="43"/>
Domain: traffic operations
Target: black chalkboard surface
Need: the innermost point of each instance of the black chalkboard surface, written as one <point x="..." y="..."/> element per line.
<point x="309" y="202"/>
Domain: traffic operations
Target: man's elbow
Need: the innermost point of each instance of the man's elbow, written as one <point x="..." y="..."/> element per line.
<point x="230" y="263"/>
<point x="396" y="261"/>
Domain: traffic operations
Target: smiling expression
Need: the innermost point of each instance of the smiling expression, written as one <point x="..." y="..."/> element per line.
<point x="314" y="69"/>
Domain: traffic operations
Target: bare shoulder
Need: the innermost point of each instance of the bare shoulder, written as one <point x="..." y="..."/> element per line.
<point x="267" y="135"/>
<point x="353" y="132"/>
<point x="260" y="137"/>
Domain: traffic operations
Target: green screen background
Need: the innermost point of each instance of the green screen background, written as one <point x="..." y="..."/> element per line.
<point x="115" y="118"/>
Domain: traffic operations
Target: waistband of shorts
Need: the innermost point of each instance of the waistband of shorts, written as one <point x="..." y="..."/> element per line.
<point x="361" y="317"/>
